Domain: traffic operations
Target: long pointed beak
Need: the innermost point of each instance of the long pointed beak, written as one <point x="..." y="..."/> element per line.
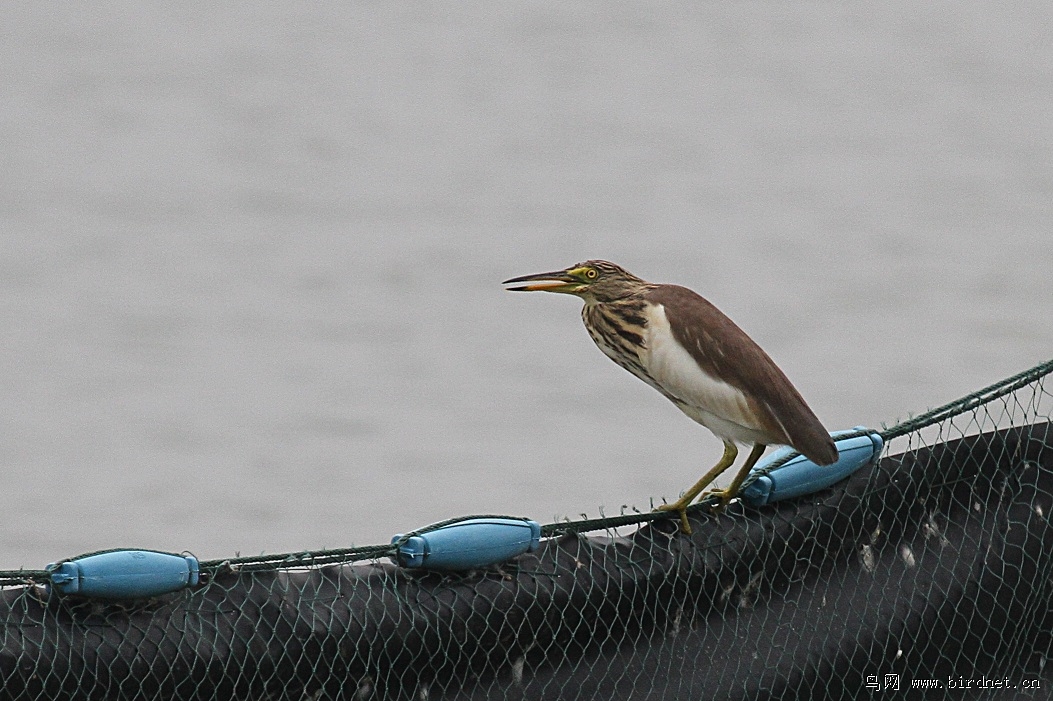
<point x="558" y="281"/>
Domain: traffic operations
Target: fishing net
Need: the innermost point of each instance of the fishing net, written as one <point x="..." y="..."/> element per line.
<point x="927" y="574"/>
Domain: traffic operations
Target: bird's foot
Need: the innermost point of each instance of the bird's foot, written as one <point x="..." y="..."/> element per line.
<point x="724" y="497"/>
<point x="679" y="506"/>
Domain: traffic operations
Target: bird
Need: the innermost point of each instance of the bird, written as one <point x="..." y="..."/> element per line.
<point x="680" y="344"/>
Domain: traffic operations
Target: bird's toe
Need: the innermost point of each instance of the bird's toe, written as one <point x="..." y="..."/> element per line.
<point x="681" y="509"/>
<point x="723" y="498"/>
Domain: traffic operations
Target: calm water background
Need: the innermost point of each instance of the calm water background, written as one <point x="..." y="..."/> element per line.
<point x="250" y="265"/>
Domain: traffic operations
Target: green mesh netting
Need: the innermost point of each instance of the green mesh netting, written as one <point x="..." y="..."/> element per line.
<point x="927" y="575"/>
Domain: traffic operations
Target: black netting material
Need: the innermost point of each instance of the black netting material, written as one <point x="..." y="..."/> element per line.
<point x="935" y="564"/>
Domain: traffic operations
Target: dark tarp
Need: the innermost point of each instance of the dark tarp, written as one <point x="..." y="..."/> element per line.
<point x="934" y="565"/>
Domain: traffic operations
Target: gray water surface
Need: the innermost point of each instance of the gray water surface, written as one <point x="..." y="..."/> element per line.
<point x="251" y="254"/>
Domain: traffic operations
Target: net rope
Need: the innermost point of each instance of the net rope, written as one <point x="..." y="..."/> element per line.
<point x="314" y="558"/>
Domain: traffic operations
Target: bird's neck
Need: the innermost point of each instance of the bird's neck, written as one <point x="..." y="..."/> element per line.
<point x="633" y="298"/>
<point x="619" y="328"/>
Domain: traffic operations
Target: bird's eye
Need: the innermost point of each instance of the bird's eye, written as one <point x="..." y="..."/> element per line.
<point x="591" y="273"/>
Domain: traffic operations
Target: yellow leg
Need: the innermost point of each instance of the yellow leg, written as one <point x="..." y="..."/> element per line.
<point x="728" y="494"/>
<point x="680" y="505"/>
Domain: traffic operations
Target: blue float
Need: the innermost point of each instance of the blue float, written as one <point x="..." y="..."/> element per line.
<point x="125" y="574"/>
<point x="468" y="544"/>
<point x="801" y="476"/>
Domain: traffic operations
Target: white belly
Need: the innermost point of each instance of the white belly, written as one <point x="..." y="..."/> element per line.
<point x="715" y="404"/>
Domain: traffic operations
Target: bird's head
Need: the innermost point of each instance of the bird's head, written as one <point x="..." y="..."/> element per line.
<point x="593" y="281"/>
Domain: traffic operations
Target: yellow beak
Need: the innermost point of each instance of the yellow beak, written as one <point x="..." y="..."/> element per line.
<point x="559" y="281"/>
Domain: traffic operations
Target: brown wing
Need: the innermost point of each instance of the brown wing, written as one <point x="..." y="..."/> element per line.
<point x="723" y="350"/>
